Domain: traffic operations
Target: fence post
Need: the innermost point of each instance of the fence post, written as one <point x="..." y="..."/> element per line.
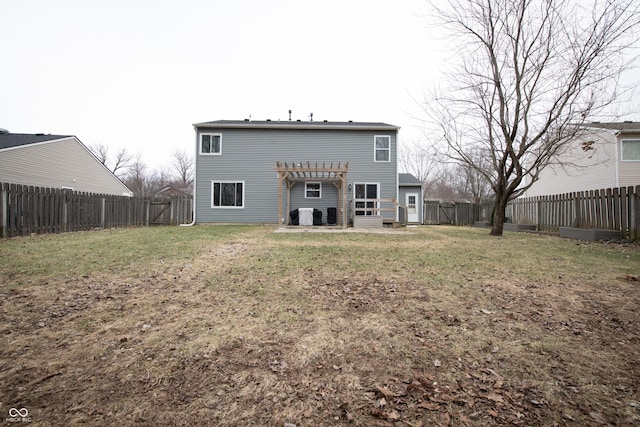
<point x="147" y="212"/>
<point x="173" y="200"/>
<point x="636" y="214"/>
<point x="3" y="211"/>
<point x="65" y="211"/>
<point x="103" y="214"/>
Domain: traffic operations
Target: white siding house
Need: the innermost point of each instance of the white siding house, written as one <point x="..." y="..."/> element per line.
<point x="607" y="155"/>
<point x="54" y="161"/>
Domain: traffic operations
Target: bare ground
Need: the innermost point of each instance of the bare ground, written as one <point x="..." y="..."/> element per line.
<point x="227" y="339"/>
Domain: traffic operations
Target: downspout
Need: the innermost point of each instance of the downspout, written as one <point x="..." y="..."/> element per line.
<point x="195" y="180"/>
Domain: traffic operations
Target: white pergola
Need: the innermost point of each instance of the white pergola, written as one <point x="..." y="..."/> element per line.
<point x="291" y="174"/>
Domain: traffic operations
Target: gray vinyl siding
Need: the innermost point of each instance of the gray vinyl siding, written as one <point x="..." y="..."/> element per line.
<point x="56" y="164"/>
<point x="249" y="156"/>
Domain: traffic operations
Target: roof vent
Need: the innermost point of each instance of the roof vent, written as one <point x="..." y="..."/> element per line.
<point x="298" y="120"/>
<point x="246" y="120"/>
<point x="268" y="120"/>
<point x="350" y="121"/>
<point x="325" y="121"/>
<point x="3" y="131"/>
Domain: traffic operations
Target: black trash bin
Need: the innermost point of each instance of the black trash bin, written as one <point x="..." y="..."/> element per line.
<point x="332" y="216"/>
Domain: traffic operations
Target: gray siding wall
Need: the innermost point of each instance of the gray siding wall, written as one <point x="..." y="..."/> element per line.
<point x="56" y="164"/>
<point x="249" y="155"/>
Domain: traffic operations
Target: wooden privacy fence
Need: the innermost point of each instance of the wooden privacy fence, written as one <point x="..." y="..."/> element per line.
<point x="609" y="209"/>
<point x="25" y="210"/>
<point x="459" y="213"/>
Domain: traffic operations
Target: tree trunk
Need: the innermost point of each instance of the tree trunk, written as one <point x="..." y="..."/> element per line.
<point x="499" y="208"/>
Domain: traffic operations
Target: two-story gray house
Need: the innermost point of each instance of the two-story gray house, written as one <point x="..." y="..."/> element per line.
<point x="271" y="171"/>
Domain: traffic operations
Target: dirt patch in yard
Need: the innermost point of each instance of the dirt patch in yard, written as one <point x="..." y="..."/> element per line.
<point x="251" y="332"/>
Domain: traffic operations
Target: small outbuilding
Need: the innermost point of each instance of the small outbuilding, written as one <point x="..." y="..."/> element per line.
<point x="411" y="194"/>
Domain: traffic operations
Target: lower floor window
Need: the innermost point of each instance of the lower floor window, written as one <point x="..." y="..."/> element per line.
<point x="227" y="194"/>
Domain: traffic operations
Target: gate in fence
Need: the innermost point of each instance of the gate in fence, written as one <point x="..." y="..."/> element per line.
<point x="459" y="213"/>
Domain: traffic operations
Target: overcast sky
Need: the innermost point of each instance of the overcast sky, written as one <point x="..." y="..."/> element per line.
<point x="139" y="73"/>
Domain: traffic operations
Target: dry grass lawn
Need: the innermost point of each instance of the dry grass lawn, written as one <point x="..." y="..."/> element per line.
<point x="238" y="325"/>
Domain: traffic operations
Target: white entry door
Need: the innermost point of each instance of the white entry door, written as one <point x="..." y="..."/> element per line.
<point x="412" y="207"/>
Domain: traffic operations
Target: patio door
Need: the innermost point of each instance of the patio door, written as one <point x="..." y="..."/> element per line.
<point x="366" y="191"/>
<point x="412" y="207"/>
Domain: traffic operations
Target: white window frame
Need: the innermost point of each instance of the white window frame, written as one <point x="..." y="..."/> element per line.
<point x="374" y="204"/>
<point x="307" y="189"/>
<point x="218" y="153"/>
<point x="376" y="149"/>
<point x="213" y="192"/>
<point x="636" y="140"/>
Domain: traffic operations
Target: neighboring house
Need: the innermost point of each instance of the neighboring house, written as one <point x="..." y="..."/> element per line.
<point x="261" y="171"/>
<point x="54" y="161"/>
<point x="411" y="195"/>
<point x="606" y="155"/>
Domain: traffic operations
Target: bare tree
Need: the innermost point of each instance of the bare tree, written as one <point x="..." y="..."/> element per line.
<point x="117" y="164"/>
<point x="419" y="161"/>
<point x="142" y="181"/>
<point x="529" y="73"/>
<point x="182" y="167"/>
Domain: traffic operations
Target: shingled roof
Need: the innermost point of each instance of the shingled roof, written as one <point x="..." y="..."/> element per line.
<point x="620" y="126"/>
<point x="295" y="124"/>
<point x="408" y="179"/>
<point x="9" y="140"/>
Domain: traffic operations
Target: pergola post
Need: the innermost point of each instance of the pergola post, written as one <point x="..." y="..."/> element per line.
<point x="343" y="185"/>
<point x="280" y="179"/>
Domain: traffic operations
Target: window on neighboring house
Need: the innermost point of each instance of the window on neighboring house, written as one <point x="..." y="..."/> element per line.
<point x="312" y="190"/>
<point x="210" y="143"/>
<point x="630" y="149"/>
<point x="226" y="194"/>
<point x="382" y="148"/>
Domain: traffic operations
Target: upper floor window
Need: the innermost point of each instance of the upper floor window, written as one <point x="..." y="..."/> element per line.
<point x="210" y="143"/>
<point x="382" y="148"/>
<point x="630" y="149"/>
<point x="312" y="190"/>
